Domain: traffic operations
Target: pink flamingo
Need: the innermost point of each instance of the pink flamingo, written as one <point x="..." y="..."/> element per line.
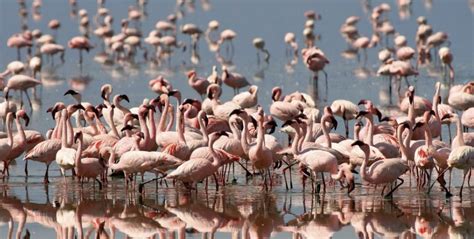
<point x="345" y="109"/>
<point x="284" y="110"/>
<point x="19" y="41"/>
<point x="383" y="171"/>
<point x="461" y="157"/>
<point x="199" y="84"/>
<point x="7" y="144"/>
<point x="197" y="169"/>
<point x="52" y="49"/>
<point x="19" y="140"/>
<point x="160" y="85"/>
<point x="462" y="97"/>
<point x="247" y="99"/>
<point x="45" y="151"/>
<point x="315" y="60"/>
<point x="22" y="83"/>
<point x="89" y="168"/>
<point x="234" y="80"/>
<point x="81" y="43"/>
<point x="446" y="58"/>
<point x="467" y="118"/>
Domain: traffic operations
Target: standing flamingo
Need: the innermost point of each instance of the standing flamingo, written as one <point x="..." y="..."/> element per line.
<point x="65" y="156"/>
<point x="383" y="171"/>
<point x="81" y="43"/>
<point x="6" y="144"/>
<point x="22" y="83"/>
<point x="89" y="168"/>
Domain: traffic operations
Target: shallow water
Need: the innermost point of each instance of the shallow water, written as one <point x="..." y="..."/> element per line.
<point x="243" y="205"/>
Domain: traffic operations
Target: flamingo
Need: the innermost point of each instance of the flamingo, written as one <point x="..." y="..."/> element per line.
<point x="247" y="99"/>
<point x="446" y="58"/>
<point x="233" y="80"/>
<point x="160" y="85"/>
<point x="214" y="77"/>
<point x="81" y="43"/>
<point x="22" y="83"/>
<point x="315" y="60"/>
<point x="19" y="140"/>
<point x="6" y="144"/>
<point x="467" y="118"/>
<point x="197" y="169"/>
<point x="199" y="84"/>
<point x="461" y="157"/>
<point x="383" y="171"/>
<point x="462" y="97"/>
<point x="284" y="110"/>
<point x="65" y="156"/>
<point x="345" y="109"/>
<point x="89" y="168"/>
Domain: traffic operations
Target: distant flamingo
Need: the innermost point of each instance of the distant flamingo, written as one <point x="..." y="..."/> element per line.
<point x="199" y="84"/>
<point x="315" y="60"/>
<point x="22" y="83"/>
<point x="345" y="109"/>
<point x="160" y="85"/>
<point x="234" y="80"/>
<point x="446" y="58"/>
<point x="80" y="43"/>
<point x="247" y="99"/>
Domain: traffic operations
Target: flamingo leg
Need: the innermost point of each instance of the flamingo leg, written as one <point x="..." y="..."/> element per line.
<point x="46" y="178"/>
<point x="26" y="168"/>
<point x="389" y="194"/>
<point x="463" y="180"/>
<point x="142" y="184"/>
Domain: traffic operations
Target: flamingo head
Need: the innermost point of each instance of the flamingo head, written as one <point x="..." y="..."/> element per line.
<point x="363" y="146"/>
<point x="191" y="74"/>
<point x="128" y="127"/>
<point x="276" y="93"/>
<point x="105" y="91"/>
<point x="124" y="97"/>
<point x="22" y="114"/>
<point x="77" y="136"/>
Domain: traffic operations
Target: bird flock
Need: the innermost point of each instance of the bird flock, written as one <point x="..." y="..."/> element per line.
<point x="187" y="141"/>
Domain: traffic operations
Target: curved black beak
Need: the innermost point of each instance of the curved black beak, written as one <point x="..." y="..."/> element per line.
<point x="71" y="92"/>
<point x="124" y="97"/>
<point x="334" y="123"/>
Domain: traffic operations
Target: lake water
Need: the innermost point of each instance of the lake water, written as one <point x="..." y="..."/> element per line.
<point x="54" y="210"/>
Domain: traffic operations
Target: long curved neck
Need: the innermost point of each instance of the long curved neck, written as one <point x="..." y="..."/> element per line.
<point x="180" y="127"/>
<point x="459" y="133"/>
<point x="64" y="132"/>
<point x="411" y="111"/>
<point x="100" y="126"/>
<point x="436" y="103"/>
<point x="112" y="125"/>
<point x="428" y="137"/>
<point x="235" y="131"/>
<point x="260" y="136"/>
<point x="403" y="148"/>
<point x="152" y="125"/>
<point x="309" y="131"/>
<point x="356" y="133"/>
<point x="203" y="130"/>
<point x="326" y="131"/>
<point x="296" y="145"/>
<point x="215" y="156"/>
<point x="164" y="114"/>
<point x="70" y="132"/>
<point x="21" y="131"/>
<point x="111" y="162"/>
<point x="58" y="128"/>
<point x="363" y="167"/>
<point x="78" y="153"/>
<point x="143" y="128"/>
<point x="90" y="122"/>
<point x="244" y="135"/>
<point x="172" y="119"/>
<point x="9" y="129"/>
<point x="120" y="106"/>
<point x="370" y="126"/>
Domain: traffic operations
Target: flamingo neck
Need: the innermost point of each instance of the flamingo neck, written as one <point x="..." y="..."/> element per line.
<point x="90" y="122"/>
<point x="64" y="131"/>
<point x="459" y="133"/>
<point x="9" y="129"/>
<point x="144" y="129"/>
<point x="260" y="136"/>
<point x="215" y="156"/>
<point x="296" y="146"/>
<point x="370" y="127"/>
<point x="356" y="133"/>
<point x="326" y="131"/>
<point x="58" y="127"/>
<point x="309" y="130"/>
<point x="164" y="114"/>
<point x="172" y="119"/>
<point x="411" y="111"/>
<point x="403" y="148"/>
<point x="77" y="160"/>
<point x="112" y="125"/>
<point x="21" y="131"/>
<point x="70" y="132"/>
<point x="119" y="106"/>
<point x="111" y="162"/>
<point x="152" y="125"/>
<point x="244" y="135"/>
<point x="180" y="127"/>
<point x="203" y="130"/>
<point x="363" y="167"/>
